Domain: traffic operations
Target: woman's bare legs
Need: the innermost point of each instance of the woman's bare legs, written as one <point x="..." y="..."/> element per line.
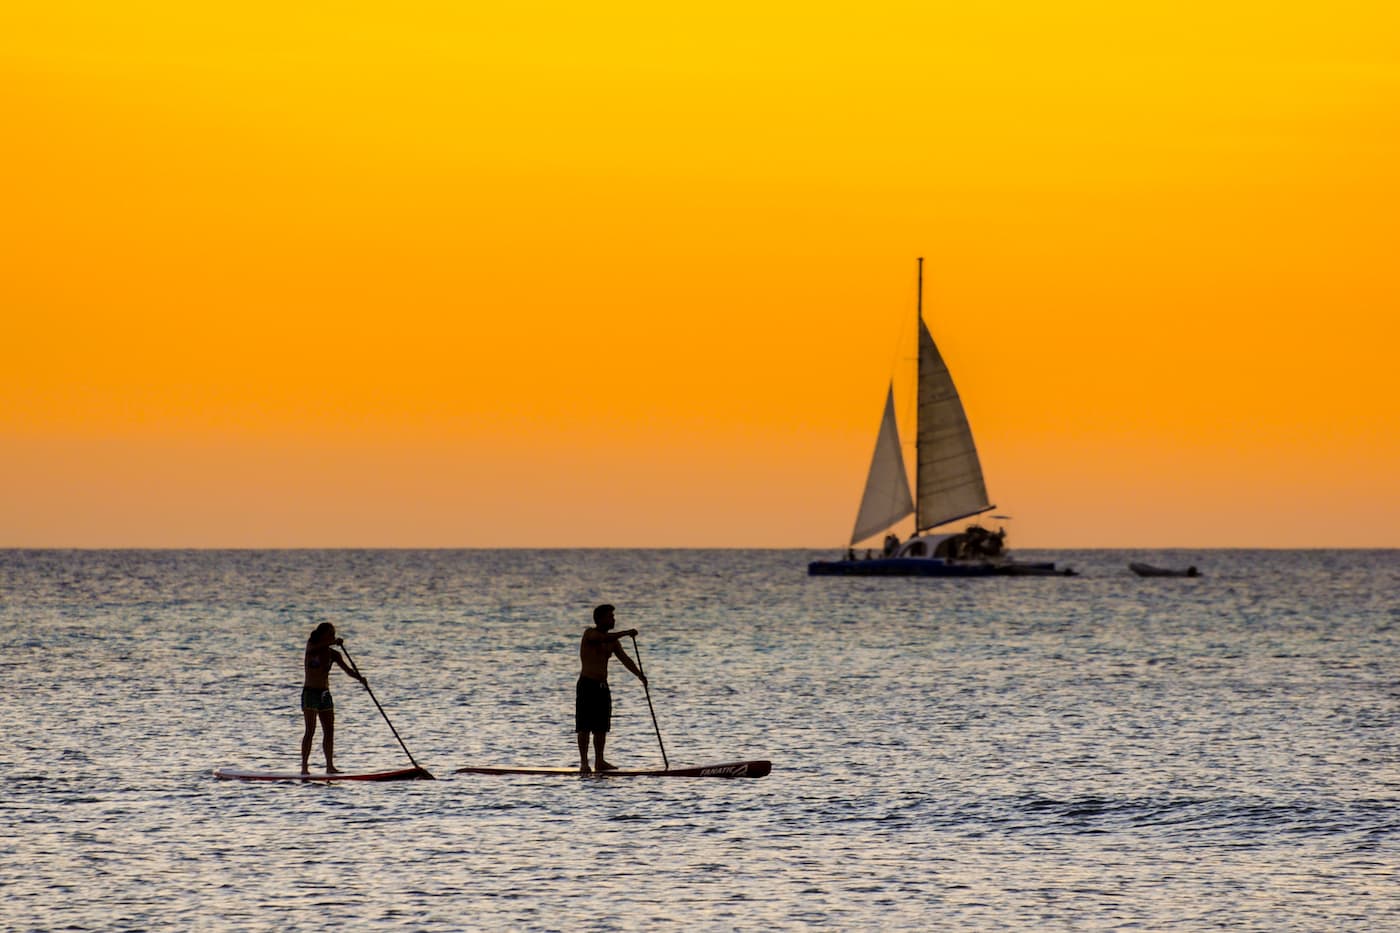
<point x="328" y="739"/>
<point x="310" y="716"/>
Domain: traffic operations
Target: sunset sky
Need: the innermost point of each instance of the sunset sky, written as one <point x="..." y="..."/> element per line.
<point x="441" y="274"/>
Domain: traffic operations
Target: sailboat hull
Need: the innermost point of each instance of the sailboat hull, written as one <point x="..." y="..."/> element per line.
<point x="899" y="567"/>
<point x="931" y="567"/>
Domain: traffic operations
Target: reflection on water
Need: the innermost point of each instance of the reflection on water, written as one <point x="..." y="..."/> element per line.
<point x="1095" y="751"/>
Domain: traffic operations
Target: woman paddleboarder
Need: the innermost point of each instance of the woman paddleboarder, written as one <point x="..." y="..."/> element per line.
<point x="316" y="700"/>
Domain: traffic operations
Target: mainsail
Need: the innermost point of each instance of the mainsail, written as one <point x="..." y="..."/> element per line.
<point x="887" y="498"/>
<point x="949" y="474"/>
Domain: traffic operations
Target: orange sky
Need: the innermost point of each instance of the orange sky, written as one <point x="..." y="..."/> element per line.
<point x="629" y="276"/>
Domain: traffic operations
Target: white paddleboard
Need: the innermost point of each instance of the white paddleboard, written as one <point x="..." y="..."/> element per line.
<point x="731" y="769"/>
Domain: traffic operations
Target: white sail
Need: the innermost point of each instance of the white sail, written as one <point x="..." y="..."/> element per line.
<point x="887" y="497"/>
<point x="949" y="473"/>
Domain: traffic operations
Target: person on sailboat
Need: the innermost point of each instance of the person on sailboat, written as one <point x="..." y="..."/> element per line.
<point x="316" y="702"/>
<point x="593" y="700"/>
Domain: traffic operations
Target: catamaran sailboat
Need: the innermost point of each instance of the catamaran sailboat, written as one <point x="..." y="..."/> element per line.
<point x="947" y="480"/>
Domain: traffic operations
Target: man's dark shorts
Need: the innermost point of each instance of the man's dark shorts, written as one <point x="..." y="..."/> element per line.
<point x="592" y="706"/>
<point x="315" y="700"/>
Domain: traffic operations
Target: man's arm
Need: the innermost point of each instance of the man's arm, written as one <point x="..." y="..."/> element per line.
<point x="628" y="662"/>
<point x="593" y="634"/>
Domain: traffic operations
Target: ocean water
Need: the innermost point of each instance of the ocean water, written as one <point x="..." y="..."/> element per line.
<point x="1092" y="752"/>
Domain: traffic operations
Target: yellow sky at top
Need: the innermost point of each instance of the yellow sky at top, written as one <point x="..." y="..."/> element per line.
<point x="434" y="275"/>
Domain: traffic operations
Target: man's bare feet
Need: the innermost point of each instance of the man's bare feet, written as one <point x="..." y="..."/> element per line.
<point x="606" y="766"/>
<point x="584" y="769"/>
<point x="332" y="769"/>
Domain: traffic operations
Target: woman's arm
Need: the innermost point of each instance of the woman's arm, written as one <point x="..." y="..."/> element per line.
<point x="335" y="655"/>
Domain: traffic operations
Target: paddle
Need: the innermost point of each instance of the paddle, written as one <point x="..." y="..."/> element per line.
<point x="382" y="713"/>
<point x="638" y="652"/>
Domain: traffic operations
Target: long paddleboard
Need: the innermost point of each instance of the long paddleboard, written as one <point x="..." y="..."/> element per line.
<point x="732" y="769"/>
<point x="402" y="774"/>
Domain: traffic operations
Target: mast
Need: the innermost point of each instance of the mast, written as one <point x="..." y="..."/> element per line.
<point x="948" y="480"/>
<point x="918" y="321"/>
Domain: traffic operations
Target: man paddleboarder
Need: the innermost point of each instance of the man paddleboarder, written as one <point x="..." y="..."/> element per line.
<point x="316" y="700"/>
<point x="593" y="701"/>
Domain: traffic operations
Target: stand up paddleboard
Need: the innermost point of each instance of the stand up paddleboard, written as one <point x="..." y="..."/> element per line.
<point x="732" y="769"/>
<point x="402" y="774"/>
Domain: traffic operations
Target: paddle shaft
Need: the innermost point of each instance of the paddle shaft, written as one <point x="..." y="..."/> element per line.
<point x="381" y="710"/>
<point x="647" y="687"/>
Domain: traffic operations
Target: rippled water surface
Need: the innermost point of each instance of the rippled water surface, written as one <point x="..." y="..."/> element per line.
<point x="1092" y="752"/>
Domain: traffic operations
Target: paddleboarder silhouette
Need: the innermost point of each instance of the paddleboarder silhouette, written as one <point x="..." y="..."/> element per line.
<point x="316" y="702"/>
<point x="593" y="700"/>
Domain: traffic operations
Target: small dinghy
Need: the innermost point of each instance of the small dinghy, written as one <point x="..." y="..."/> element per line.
<point x="1147" y="570"/>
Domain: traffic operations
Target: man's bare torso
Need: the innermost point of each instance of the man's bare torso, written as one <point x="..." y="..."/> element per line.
<point x="593" y="653"/>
